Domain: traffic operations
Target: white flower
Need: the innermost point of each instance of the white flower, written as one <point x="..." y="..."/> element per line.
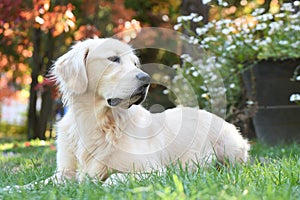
<point x="294" y="97"/>
<point x="176" y="66"/>
<point x="186" y="57"/>
<point x="208" y="39"/>
<point x="191" y="39"/>
<point x="179" y="19"/>
<point x="296" y="44"/>
<point x="203" y="87"/>
<point x="205" y="96"/>
<point x="280" y="15"/>
<point x="195" y="73"/>
<point x="231" y="47"/>
<point x="296" y="27"/>
<point x="201" y="31"/>
<point x="184" y="18"/>
<point x="261" y="26"/>
<point x="232" y="85"/>
<point x="258" y="11"/>
<point x="264" y="17"/>
<point x="274" y="26"/>
<point x="268" y="39"/>
<point x="244" y="30"/>
<point x="219" y="23"/>
<point x="249" y="102"/>
<point x="209" y="25"/>
<point x="218" y="65"/>
<point x="187" y="18"/>
<point x="268" y="16"/>
<point x="296" y="3"/>
<point x="213" y="78"/>
<point x="263" y="43"/>
<point x="226" y="31"/>
<point x="198" y="19"/>
<point x="283" y="42"/>
<point x="239" y="43"/>
<point x="204" y="46"/>
<point x="165" y="91"/>
<point x="222" y="3"/>
<point x="223" y="22"/>
<point x="206" y="1"/>
<point x="193" y="15"/>
<point x="287" y="7"/>
<point x="195" y="41"/>
<point x="294" y="17"/>
<point x="255" y="48"/>
<point x="248" y="41"/>
<point x="177" y="26"/>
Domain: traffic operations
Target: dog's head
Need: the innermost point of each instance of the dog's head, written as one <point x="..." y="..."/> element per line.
<point x="107" y="68"/>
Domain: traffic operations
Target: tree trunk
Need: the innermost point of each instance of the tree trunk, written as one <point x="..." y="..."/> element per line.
<point x="46" y="112"/>
<point x="33" y="125"/>
<point x="32" y="118"/>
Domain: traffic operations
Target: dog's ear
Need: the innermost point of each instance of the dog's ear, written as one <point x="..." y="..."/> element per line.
<point x="70" y="70"/>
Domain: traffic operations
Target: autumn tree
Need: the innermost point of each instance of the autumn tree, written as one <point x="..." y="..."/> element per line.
<point x="34" y="33"/>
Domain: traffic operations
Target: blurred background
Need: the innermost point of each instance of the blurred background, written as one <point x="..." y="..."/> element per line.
<point x="35" y="33"/>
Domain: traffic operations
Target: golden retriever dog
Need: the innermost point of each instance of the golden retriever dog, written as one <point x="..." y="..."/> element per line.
<point x="106" y="129"/>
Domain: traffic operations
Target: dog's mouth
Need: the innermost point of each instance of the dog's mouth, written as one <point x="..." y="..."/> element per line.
<point x="136" y="98"/>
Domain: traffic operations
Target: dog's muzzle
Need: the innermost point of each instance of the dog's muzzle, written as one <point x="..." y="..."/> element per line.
<point x="136" y="97"/>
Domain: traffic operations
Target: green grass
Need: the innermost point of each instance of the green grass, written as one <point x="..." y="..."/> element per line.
<point x="272" y="173"/>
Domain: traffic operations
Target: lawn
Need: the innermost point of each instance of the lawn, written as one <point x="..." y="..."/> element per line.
<point x="272" y="173"/>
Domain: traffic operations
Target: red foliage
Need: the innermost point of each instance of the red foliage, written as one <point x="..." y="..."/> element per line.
<point x="10" y="10"/>
<point x="120" y="14"/>
<point x="52" y="147"/>
<point x="48" y="83"/>
<point x="27" y="144"/>
<point x="17" y="18"/>
<point x="86" y="31"/>
<point x="59" y="20"/>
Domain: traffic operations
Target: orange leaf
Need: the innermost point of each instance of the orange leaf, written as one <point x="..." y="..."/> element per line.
<point x="58" y="29"/>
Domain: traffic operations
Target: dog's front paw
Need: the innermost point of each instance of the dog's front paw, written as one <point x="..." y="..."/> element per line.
<point x="60" y="177"/>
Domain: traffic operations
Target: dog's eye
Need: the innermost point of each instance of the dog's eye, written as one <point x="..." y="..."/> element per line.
<point x="115" y="59"/>
<point x="137" y="64"/>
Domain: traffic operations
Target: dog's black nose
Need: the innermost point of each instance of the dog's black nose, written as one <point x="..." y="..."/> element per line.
<point x="143" y="77"/>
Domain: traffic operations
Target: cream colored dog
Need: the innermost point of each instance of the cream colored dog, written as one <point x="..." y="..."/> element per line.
<point x="105" y="128"/>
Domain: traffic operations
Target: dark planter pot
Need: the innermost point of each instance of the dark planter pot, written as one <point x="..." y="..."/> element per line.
<point x="268" y="83"/>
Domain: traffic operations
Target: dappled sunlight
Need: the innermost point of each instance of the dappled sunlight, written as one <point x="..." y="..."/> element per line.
<point x="8" y="146"/>
<point x="128" y="30"/>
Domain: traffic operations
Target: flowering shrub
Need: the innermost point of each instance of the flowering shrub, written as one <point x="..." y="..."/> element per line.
<point x="236" y="44"/>
<point x="251" y="38"/>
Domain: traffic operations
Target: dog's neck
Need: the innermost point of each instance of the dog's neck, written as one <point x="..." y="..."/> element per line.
<point x="106" y="120"/>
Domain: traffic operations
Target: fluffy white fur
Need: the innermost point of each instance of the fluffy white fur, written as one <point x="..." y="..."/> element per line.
<point x="95" y="138"/>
